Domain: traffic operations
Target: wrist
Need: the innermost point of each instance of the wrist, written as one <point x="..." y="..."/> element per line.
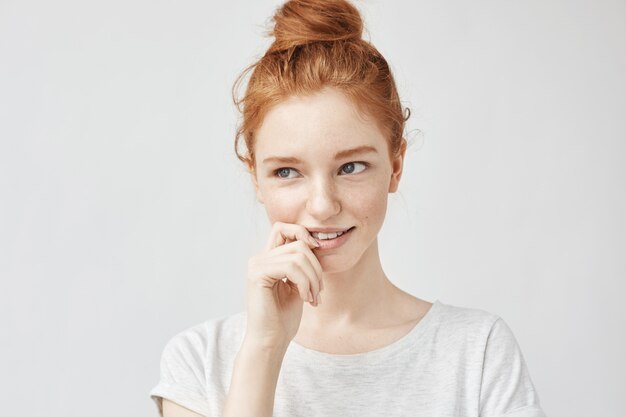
<point x="253" y="346"/>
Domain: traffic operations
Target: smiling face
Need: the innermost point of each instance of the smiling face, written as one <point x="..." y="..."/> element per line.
<point x="320" y="164"/>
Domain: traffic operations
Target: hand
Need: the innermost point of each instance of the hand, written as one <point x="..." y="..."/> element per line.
<point x="280" y="279"/>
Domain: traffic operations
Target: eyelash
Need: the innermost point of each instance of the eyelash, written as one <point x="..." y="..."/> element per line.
<point x="276" y="171"/>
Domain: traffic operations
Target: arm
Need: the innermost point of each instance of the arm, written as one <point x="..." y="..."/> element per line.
<point x="506" y="386"/>
<point x="172" y="409"/>
<point x="253" y="384"/>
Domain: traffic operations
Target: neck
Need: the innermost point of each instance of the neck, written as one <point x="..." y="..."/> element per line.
<point x="352" y="298"/>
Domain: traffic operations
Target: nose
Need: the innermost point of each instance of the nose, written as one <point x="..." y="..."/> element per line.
<point x="323" y="201"/>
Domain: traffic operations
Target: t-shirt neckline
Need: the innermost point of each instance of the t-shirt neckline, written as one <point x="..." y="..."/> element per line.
<point x="376" y="355"/>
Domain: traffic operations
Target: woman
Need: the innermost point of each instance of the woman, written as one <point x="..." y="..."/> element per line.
<point x="325" y="332"/>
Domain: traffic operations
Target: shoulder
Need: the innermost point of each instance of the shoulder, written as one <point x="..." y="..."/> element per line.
<point x="475" y="333"/>
<point x="461" y="318"/>
<point x="467" y="327"/>
<point x="193" y="363"/>
<point x="212" y="336"/>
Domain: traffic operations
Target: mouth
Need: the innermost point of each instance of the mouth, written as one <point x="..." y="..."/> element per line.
<point x="333" y="241"/>
<point x="330" y="235"/>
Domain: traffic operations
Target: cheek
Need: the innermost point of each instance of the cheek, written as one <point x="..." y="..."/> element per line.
<point x="281" y="206"/>
<point x="363" y="201"/>
<point x="368" y="203"/>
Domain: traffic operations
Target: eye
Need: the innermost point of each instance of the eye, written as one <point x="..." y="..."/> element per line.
<point x="282" y="170"/>
<point x="348" y="168"/>
<point x="351" y="164"/>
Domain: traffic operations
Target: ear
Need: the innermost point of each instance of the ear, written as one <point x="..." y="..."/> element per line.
<point x="396" y="168"/>
<point x="255" y="183"/>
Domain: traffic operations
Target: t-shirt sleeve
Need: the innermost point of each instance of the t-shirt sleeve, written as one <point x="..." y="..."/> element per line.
<point x="182" y="373"/>
<point x="506" y="386"/>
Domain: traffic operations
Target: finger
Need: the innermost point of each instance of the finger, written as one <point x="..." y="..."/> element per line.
<point x="302" y="260"/>
<point x="314" y="264"/>
<point x="296" y="274"/>
<point x="304" y="264"/>
<point x="300" y="246"/>
<point x="283" y="233"/>
<point x="316" y="269"/>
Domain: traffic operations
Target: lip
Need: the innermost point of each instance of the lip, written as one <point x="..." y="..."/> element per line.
<point x="326" y="244"/>
<point x="326" y="229"/>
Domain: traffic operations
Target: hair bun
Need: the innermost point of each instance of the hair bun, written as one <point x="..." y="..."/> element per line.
<point x="299" y="22"/>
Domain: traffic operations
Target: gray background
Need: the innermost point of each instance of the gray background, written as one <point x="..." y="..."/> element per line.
<point x="125" y="216"/>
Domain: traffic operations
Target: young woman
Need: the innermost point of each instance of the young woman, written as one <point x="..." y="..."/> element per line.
<point x="325" y="331"/>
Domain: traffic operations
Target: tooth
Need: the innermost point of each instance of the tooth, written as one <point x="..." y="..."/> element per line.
<point x="325" y="236"/>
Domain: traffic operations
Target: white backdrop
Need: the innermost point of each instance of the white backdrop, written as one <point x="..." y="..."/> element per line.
<point x="126" y="218"/>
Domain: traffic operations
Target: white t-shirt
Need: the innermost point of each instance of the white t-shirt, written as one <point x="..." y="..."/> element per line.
<point x="455" y="362"/>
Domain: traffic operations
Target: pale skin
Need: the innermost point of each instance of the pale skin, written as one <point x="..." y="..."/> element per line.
<point x="361" y="309"/>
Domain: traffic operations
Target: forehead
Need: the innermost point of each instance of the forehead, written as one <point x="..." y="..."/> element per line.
<point x="326" y="120"/>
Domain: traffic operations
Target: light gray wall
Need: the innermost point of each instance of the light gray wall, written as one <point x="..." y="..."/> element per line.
<point x="125" y="216"/>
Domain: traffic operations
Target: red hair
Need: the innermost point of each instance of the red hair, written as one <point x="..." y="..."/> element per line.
<point x="317" y="44"/>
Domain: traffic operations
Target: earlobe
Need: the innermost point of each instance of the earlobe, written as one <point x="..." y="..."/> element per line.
<point x="397" y="165"/>
<point x="255" y="185"/>
<point x="258" y="194"/>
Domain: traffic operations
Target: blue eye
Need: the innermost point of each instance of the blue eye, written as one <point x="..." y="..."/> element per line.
<point x="365" y="164"/>
<point x="277" y="172"/>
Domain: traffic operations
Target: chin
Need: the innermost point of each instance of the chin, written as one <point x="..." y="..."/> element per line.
<point x="333" y="263"/>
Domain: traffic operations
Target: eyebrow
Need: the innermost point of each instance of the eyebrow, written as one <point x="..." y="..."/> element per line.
<point x="339" y="155"/>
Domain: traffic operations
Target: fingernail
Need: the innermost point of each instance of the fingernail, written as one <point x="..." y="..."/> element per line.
<point x="310" y="297"/>
<point x="317" y="245"/>
<point x="319" y="298"/>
